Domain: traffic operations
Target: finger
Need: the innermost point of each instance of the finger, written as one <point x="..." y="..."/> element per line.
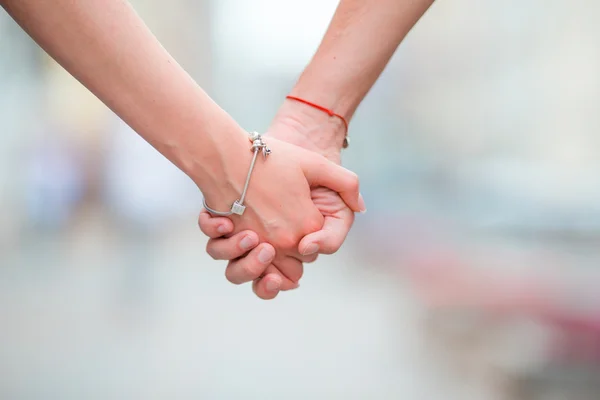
<point x="214" y="227"/>
<point x="251" y="266"/>
<point x="286" y="283"/>
<point x="232" y="247"/>
<point x="267" y="287"/>
<point x="307" y="259"/>
<point x="321" y="172"/>
<point x="290" y="267"/>
<point x="330" y="238"/>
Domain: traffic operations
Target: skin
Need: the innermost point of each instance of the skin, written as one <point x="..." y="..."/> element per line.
<point x="357" y="46"/>
<point x="107" y="47"/>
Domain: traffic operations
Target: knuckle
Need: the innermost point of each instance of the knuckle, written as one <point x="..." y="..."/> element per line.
<point x="313" y="225"/>
<point x="211" y="250"/>
<point x="330" y="249"/>
<point x="201" y="222"/>
<point x="265" y="296"/>
<point x="353" y="181"/>
<point x="261" y="294"/>
<point x="332" y="245"/>
<point x="310" y="259"/>
<point x="321" y="162"/>
<point x="287" y="241"/>
<point x="295" y="274"/>
<point x="232" y="276"/>
<point x="251" y="270"/>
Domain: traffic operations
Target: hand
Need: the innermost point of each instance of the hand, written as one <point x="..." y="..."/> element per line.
<point x="317" y="132"/>
<point x="276" y="219"/>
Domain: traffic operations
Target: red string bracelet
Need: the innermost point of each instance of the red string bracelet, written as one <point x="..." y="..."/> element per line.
<point x="331" y="113"/>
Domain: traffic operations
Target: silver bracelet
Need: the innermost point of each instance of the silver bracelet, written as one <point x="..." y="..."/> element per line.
<point x="238" y="206"/>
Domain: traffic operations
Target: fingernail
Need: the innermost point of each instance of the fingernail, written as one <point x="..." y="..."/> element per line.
<point x="310" y="249"/>
<point x="295" y="287"/>
<point x="361" y="204"/>
<point x="247" y="243"/>
<point x="222" y="229"/>
<point x="273" y="285"/>
<point x="265" y="256"/>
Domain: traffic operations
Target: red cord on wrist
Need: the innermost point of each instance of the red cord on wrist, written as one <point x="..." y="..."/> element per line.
<point x="326" y="110"/>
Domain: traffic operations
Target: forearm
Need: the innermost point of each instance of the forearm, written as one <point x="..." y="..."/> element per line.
<point x="107" y="47"/>
<point x="357" y="46"/>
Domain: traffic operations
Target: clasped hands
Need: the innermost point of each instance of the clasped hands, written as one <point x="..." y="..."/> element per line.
<point x="300" y="203"/>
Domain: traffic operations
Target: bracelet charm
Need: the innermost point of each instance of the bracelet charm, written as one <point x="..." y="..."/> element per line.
<point x="238" y="207"/>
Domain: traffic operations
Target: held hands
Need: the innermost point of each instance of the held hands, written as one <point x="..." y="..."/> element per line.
<point x="250" y="256"/>
<point x="282" y="211"/>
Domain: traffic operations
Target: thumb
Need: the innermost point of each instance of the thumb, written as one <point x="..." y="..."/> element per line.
<point x="330" y="238"/>
<point x="321" y="172"/>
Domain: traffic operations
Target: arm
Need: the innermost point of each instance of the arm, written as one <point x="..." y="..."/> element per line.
<point x="105" y="45"/>
<point x="357" y="46"/>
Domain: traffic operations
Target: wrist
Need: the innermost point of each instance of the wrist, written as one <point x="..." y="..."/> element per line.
<point x="218" y="165"/>
<point x="310" y="128"/>
<point x="329" y="88"/>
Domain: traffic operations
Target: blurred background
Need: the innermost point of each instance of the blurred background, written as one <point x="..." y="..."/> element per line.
<point x="474" y="275"/>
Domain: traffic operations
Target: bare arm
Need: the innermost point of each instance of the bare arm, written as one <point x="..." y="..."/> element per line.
<point x="357" y="46"/>
<point x="107" y="47"/>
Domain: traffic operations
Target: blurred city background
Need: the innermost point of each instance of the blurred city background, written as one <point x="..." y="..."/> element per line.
<point x="474" y="274"/>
